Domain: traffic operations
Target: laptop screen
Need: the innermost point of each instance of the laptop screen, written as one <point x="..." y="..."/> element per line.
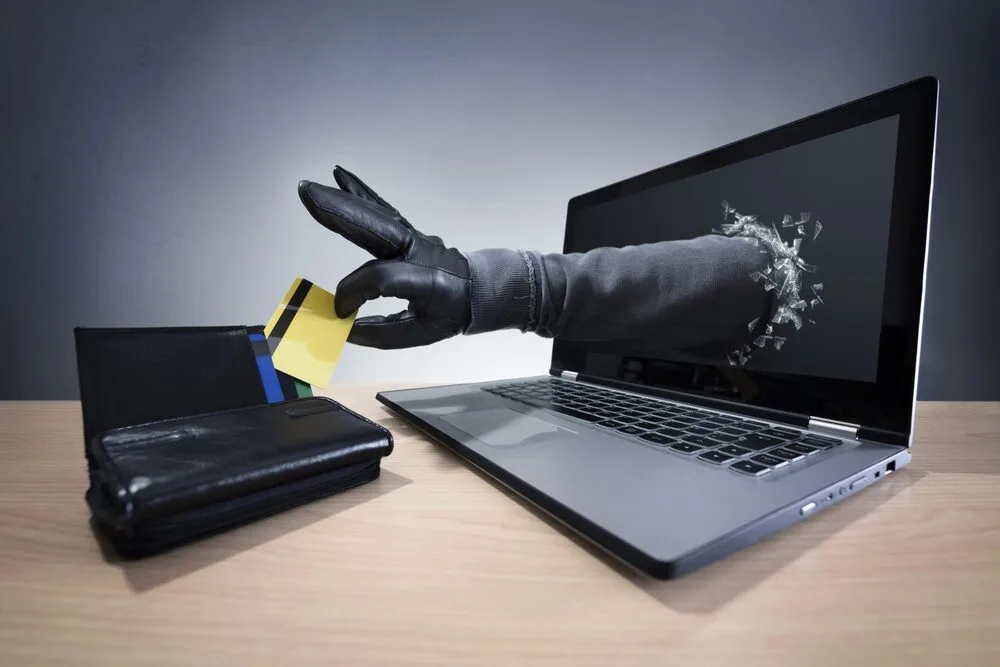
<point x="829" y="204"/>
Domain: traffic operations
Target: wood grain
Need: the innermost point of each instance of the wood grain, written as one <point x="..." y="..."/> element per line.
<point x="434" y="565"/>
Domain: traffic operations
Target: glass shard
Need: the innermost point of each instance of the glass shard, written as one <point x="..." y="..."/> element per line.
<point x="783" y="276"/>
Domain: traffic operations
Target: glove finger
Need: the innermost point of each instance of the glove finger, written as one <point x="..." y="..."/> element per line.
<point x="351" y="183"/>
<point x="393" y="332"/>
<point x="363" y="223"/>
<point x="381" y="278"/>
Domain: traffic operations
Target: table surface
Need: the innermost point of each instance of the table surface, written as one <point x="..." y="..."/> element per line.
<point x="434" y="565"/>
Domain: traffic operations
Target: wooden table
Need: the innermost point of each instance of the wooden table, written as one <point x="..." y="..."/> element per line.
<point x="434" y="565"/>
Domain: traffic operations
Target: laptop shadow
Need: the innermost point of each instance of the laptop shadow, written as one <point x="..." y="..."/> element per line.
<point x="151" y="572"/>
<point x="716" y="585"/>
<point x="706" y="590"/>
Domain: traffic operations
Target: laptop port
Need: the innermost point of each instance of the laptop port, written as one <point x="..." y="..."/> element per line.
<point x="890" y="468"/>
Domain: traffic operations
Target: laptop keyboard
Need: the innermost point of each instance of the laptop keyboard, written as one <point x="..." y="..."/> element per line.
<point x="741" y="445"/>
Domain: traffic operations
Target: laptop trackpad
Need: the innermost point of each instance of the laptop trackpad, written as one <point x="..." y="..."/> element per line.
<point x="500" y="427"/>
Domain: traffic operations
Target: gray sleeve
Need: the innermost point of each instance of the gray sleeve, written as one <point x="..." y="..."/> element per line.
<point x="678" y="294"/>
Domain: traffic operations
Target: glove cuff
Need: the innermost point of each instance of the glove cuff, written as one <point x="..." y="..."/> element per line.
<point x="504" y="290"/>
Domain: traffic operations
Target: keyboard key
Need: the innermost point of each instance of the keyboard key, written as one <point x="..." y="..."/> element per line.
<point x="786" y="454"/>
<point x="687" y="421"/>
<point x="657" y="439"/>
<point x="802" y="449"/>
<point x="647" y="426"/>
<point x="630" y="430"/>
<point x="610" y="423"/>
<point x="686" y="447"/>
<point x="656" y="419"/>
<point x="750" y="468"/>
<point x="731" y="431"/>
<point x="715" y="457"/>
<point x="722" y="437"/>
<point x="734" y="450"/>
<point x="819" y="441"/>
<point x="757" y="442"/>
<point x="778" y="432"/>
<point x="672" y="432"/>
<point x="720" y="421"/>
<point x="699" y="440"/>
<point x="569" y="412"/>
<point x="699" y="430"/>
<point x="768" y="460"/>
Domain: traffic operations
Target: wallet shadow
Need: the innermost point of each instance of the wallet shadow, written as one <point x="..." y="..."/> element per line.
<point x="144" y="574"/>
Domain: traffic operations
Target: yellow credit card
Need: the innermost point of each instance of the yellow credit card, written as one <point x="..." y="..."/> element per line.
<point x="305" y="335"/>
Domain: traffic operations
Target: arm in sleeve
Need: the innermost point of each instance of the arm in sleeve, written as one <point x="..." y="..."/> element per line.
<point x="674" y="294"/>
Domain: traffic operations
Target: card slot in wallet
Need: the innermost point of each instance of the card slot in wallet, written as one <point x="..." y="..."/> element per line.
<point x="160" y="484"/>
<point x="132" y="376"/>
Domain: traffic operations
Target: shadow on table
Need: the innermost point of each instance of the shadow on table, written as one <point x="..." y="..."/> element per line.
<point x="148" y="573"/>
<point x="706" y="590"/>
<point x="715" y="585"/>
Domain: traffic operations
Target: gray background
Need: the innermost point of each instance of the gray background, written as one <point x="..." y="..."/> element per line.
<point x="845" y="180"/>
<point x="151" y="150"/>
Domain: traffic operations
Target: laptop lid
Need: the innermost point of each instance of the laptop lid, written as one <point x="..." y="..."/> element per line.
<point x="855" y="182"/>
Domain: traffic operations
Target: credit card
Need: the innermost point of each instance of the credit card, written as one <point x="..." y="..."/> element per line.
<point x="305" y="335"/>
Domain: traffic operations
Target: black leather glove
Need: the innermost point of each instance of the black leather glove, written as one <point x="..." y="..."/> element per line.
<point x="408" y="265"/>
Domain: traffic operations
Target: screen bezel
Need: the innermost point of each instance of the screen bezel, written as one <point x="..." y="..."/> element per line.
<point x="889" y="418"/>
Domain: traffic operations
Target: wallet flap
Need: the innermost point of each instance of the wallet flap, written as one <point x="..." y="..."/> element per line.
<point x="130" y="376"/>
<point x="168" y="467"/>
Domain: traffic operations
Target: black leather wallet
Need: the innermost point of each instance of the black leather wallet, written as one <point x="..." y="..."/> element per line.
<point x="184" y="439"/>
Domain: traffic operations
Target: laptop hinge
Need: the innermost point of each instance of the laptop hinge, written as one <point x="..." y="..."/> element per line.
<point x="567" y="375"/>
<point x="833" y="428"/>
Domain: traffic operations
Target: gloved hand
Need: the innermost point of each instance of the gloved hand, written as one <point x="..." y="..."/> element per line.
<point x="408" y="265"/>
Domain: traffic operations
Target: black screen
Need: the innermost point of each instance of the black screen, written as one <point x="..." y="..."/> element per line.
<point x="838" y="188"/>
<point x="864" y="171"/>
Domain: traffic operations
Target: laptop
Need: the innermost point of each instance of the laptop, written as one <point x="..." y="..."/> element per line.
<point x="670" y="461"/>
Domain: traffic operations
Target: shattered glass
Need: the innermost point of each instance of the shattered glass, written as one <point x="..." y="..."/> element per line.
<point x="783" y="276"/>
